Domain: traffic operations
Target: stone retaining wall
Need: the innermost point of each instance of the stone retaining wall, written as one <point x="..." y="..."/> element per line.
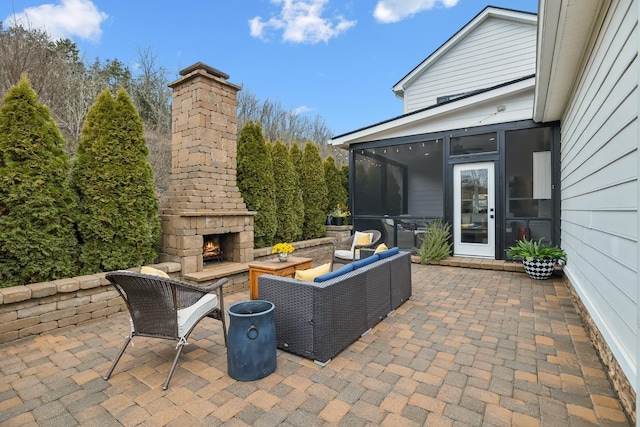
<point x="41" y="307"/>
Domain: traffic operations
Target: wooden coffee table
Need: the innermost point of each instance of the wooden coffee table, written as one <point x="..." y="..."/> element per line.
<point x="276" y="268"/>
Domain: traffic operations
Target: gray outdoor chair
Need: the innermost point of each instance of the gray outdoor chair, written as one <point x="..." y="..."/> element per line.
<point x="166" y="308"/>
<point x="344" y="251"/>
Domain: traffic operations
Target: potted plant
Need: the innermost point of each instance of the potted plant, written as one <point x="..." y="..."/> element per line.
<point x="538" y="258"/>
<point x="283" y="250"/>
<point x="339" y="215"/>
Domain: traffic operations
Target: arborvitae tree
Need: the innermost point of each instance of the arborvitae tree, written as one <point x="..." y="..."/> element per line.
<point x="37" y="207"/>
<point x="295" y="154"/>
<point x="119" y="225"/>
<point x="256" y="183"/>
<point x="314" y="192"/>
<point x="344" y="180"/>
<point x="336" y="194"/>
<point x="288" y="197"/>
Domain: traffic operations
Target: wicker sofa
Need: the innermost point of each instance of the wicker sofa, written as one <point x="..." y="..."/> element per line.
<point x="318" y="319"/>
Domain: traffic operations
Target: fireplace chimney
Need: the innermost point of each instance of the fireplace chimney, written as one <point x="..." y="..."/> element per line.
<point x="204" y="198"/>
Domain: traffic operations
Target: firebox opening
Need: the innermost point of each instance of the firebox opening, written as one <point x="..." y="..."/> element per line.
<point x="217" y="248"/>
<point x="212" y="249"/>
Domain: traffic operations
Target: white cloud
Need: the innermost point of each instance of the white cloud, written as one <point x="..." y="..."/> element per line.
<point x="301" y="22"/>
<point x="70" y="18"/>
<point x="388" y="11"/>
<point x="301" y="110"/>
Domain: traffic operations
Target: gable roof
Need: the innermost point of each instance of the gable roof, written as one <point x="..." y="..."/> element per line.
<point x="485" y="14"/>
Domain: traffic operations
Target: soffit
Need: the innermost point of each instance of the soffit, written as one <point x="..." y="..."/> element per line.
<point x="564" y="31"/>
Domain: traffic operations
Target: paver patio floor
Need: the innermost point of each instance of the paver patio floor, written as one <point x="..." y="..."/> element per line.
<point x="471" y="347"/>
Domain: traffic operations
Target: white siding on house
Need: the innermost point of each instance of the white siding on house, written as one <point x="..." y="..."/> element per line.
<point x="497" y="51"/>
<point x="599" y="191"/>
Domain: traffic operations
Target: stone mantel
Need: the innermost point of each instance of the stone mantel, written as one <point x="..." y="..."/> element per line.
<point x="204" y="212"/>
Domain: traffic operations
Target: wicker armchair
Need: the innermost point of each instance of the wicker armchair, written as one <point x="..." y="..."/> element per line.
<point x="344" y="250"/>
<point x="166" y="308"/>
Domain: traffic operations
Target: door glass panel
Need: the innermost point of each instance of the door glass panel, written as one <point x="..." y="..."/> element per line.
<point x="474" y="206"/>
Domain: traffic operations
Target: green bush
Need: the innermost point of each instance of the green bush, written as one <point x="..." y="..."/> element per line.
<point x="344" y="180"/>
<point x="37" y="206"/>
<point x="314" y="192"/>
<point x="296" y="159"/>
<point x="256" y="183"/>
<point x="118" y="223"/>
<point x="336" y="194"/>
<point x="437" y="241"/>
<point x="288" y="198"/>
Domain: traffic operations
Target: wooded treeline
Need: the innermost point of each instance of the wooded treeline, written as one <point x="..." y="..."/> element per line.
<point x="68" y="84"/>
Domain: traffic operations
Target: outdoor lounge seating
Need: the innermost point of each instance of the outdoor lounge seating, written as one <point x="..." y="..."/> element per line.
<point x="165" y="308"/>
<point x="319" y="319"/>
<point x="345" y="250"/>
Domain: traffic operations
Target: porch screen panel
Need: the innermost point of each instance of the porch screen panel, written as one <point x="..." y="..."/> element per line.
<point x="528" y="201"/>
<point x="379" y="186"/>
<point x="368" y="185"/>
<point x="394" y="191"/>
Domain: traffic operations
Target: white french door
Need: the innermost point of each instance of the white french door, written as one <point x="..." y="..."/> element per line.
<point x="474" y="210"/>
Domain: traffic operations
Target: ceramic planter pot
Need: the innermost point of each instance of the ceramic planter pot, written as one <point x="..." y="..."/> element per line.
<point x="283" y="257"/>
<point x="539" y="269"/>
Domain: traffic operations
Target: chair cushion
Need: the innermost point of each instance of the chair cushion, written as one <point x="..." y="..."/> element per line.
<point x="365" y="261"/>
<point x="388" y="253"/>
<point x="361" y="239"/>
<point x="381" y="247"/>
<point x="312" y="273"/>
<point x="153" y="271"/>
<point x="344" y="254"/>
<point x="330" y="275"/>
<point x="189" y="316"/>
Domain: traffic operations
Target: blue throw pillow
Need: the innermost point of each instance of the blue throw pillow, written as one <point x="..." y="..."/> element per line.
<point x="365" y="261"/>
<point x="388" y="253"/>
<point x="330" y="275"/>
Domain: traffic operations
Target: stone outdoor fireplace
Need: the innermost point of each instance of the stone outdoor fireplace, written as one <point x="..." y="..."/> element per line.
<point x="204" y="207"/>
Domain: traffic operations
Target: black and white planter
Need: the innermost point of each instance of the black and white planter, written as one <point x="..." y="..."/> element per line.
<point x="539" y="268"/>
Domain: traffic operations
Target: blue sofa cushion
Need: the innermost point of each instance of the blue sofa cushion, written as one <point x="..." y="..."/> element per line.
<point x="388" y="253"/>
<point x="330" y="275"/>
<point x="365" y="261"/>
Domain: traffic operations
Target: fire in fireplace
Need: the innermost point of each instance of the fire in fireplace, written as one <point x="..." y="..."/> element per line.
<point x="212" y="249"/>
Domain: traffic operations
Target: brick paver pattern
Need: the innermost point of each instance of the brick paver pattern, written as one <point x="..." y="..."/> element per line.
<point x="471" y="347"/>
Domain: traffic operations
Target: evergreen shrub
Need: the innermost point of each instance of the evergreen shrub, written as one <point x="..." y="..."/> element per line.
<point x="295" y="155"/>
<point x="256" y="183"/>
<point x="287" y="197"/>
<point x="314" y="192"/>
<point x="118" y="223"/>
<point x="37" y="207"/>
<point x="336" y="193"/>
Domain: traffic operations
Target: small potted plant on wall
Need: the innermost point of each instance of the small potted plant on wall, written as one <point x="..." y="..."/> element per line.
<point x="539" y="259"/>
<point x="340" y="215"/>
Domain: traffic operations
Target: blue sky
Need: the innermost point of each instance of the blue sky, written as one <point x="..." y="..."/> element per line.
<point x="336" y="59"/>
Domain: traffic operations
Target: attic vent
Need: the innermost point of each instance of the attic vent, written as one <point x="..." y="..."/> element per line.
<point x="446" y="98"/>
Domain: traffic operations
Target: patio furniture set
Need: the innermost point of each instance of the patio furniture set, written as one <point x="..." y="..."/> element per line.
<point x="315" y="318"/>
